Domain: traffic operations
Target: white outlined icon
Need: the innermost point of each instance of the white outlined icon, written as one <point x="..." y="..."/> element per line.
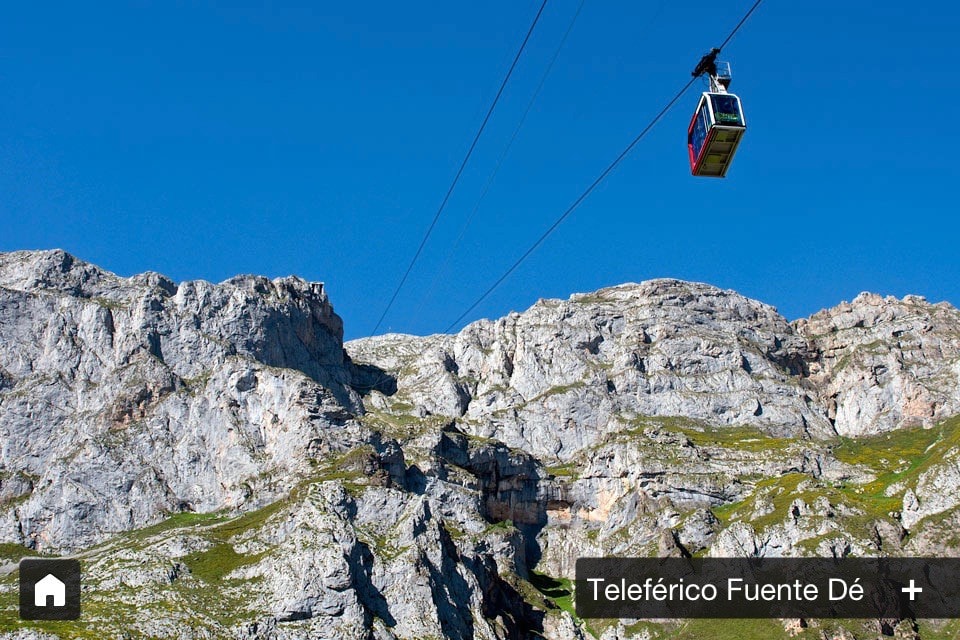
<point x="50" y="592"/>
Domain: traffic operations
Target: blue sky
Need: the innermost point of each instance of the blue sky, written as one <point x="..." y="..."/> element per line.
<point x="318" y="139"/>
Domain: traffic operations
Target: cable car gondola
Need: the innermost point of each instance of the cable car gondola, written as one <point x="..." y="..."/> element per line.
<point x="718" y="124"/>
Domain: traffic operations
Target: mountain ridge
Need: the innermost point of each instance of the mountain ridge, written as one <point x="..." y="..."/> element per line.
<point x="182" y="436"/>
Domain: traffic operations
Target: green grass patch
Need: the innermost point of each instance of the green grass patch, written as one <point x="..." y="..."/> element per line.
<point x="780" y="491"/>
<point x="740" y="437"/>
<point x="176" y="521"/>
<point x="856" y="511"/>
<point x="14" y="552"/>
<point x="737" y="629"/>
<point x="590" y="298"/>
<point x="637" y="425"/>
<point x="900" y="455"/>
<point x="558" y="591"/>
<point x="107" y="303"/>
<point x="455" y="532"/>
<point x="251" y="520"/>
<point x="559" y="390"/>
<point x="895" y="458"/>
<point x="939" y="629"/>
<point x="503" y="525"/>
<point x="215" y="563"/>
<point x="401" y="426"/>
<point x="401" y="406"/>
<point x="565" y="470"/>
<point x="382" y="545"/>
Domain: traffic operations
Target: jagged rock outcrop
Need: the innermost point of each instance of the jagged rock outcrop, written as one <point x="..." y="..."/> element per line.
<point x="550" y="380"/>
<point x="130" y="398"/>
<point x="557" y="378"/>
<point x="885" y="363"/>
<point x="197" y="438"/>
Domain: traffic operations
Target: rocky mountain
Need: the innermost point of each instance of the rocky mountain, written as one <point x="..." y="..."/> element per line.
<point x="226" y="467"/>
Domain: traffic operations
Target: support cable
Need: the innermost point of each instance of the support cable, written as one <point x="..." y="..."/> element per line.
<point x="583" y="196"/>
<point x="496" y="169"/>
<point x="463" y="164"/>
<point x="572" y="207"/>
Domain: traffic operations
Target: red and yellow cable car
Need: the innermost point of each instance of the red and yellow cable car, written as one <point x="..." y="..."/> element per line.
<point x="717" y="126"/>
<point x="714" y="134"/>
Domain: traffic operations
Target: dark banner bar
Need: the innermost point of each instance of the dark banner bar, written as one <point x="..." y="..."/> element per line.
<point x="768" y="588"/>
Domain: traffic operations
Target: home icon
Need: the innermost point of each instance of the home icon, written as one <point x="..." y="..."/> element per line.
<point x="50" y="591"/>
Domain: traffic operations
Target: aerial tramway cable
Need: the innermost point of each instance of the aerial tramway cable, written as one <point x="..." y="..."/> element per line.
<point x="441" y="272"/>
<point x="743" y="20"/>
<point x="572" y="207"/>
<point x="593" y="185"/>
<point x="463" y="164"/>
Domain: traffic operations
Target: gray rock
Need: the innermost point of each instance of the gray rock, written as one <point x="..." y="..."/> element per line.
<point x="556" y="378"/>
<point x="884" y="363"/>
<point x="409" y="489"/>
<point x="128" y="399"/>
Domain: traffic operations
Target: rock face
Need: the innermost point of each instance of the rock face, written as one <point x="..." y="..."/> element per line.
<point x="558" y="377"/>
<point x="188" y="439"/>
<point x="128" y="399"/>
<point x="886" y="363"/>
<point x="670" y="348"/>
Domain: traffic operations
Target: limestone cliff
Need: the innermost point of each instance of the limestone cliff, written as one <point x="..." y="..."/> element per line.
<point x="194" y="439"/>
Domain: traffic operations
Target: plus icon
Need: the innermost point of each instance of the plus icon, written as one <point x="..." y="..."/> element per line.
<point x="912" y="590"/>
